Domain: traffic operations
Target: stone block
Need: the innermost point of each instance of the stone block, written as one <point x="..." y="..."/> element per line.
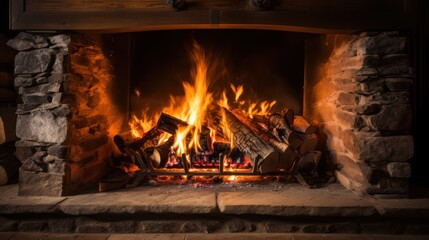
<point x="345" y="227"/>
<point x="398" y="84"/>
<point x="386" y="98"/>
<point x="394" y="70"/>
<point x="365" y="147"/>
<point x="236" y="226"/>
<point x="399" y="169"/>
<point x="60" y="39"/>
<point x="56" y="165"/>
<point x="394" y="117"/>
<point x="380" y="44"/>
<point x="367" y="88"/>
<point x="58" y="66"/>
<point x="58" y="78"/>
<point x="23" y="81"/>
<point x="358" y="171"/>
<point x="274" y="227"/>
<point x="349" y="120"/>
<point x="158" y="227"/>
<point x="32" y="226"/>
<point x="26" y="149"/>
<point x="35" y="163"/>
<point x="382" y="228"/>
<point x="35" y="61"/>
<point x="42" y="88"/>
<point x="392" y="186"/>
<point x="367" y="71"/>
<point x="419" y="228"/>
<point x="64" y="225"/>
<point x="193" y="227"/>
<point x="41" y="184"/>
<point x="347" y="99"/>
<point x="317" y="228"/>
<point x="42" y="126"/>
<point x="20" y="44"/>
<point x="395" y="60"/>
<point x="59" y="151"/>
<point x="62" y="111"/>
<point x="41" y="99"/>
<point x="368" y="109"/>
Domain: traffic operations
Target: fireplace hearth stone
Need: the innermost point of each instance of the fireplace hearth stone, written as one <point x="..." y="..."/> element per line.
<point x="243" y="207"/>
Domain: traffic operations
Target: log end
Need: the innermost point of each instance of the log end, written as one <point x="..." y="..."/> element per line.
<point x="270" y="163"/>
<point x="309" y="144"/>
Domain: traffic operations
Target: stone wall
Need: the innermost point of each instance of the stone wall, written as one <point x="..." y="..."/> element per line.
<point x="358" y="89"/>
<point x="62" y="119"/>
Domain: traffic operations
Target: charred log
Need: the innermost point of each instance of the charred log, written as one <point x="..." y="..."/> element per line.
<point x="251" y="144"/>
<point x="159" y="155"/>
<point x="171" y="124"/>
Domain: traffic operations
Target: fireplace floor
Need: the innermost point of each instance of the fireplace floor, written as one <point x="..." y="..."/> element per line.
<point x="244" y="207"/>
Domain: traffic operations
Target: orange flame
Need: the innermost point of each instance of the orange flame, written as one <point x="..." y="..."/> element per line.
<point x="192" y="107"/>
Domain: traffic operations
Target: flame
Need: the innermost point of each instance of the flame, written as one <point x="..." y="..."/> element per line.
<point x="238" y="91"/>
<point x="192" y="107"/>
<point x="140" y="125"/>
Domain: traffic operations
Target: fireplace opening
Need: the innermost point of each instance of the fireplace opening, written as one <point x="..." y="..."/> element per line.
<point x="242" y="102"/>
<point x="194" y="76"/>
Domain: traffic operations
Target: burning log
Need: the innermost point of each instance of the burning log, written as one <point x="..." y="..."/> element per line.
<point x="283" y="130"/>
<point x="286" y="154"/>
<point x="300" y="124"/>
<point x="251" y="144"/>
<point x="159" y="155"/>
<point x="262" y="133"/>
<point x="171" y="124"/>
<point x="149" y="139"/>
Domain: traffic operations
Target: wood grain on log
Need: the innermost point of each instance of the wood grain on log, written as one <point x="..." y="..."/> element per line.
<point x="252" y="145"/>
<point x="150" y="138"/>
<point x="283" y="130"/>
<point x="287" y="156"/>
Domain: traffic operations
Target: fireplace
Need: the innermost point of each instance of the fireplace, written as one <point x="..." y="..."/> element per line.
<point x="79" y="89"/>
<point x="356" y="91"/>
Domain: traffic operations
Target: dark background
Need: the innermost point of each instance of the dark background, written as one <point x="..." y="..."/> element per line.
<point x="269" y="64"/>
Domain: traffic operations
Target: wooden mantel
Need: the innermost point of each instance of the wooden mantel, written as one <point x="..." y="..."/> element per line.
<point x="317" y="16"/>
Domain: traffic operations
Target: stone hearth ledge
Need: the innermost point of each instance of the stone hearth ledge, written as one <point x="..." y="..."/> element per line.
<point x="289" y="200"/>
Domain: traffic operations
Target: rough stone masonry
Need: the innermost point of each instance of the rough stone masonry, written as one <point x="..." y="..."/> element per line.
<point x="362" y="100"/>
<point x="62" y="112"/>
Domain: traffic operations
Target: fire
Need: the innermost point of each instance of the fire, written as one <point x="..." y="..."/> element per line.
<point x="192" y="108"/>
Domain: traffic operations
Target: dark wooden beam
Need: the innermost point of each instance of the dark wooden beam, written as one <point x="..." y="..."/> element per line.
<point x="328" y="16"/>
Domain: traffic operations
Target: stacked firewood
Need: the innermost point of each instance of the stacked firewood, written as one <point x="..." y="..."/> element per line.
<point x="274" y="142"/>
